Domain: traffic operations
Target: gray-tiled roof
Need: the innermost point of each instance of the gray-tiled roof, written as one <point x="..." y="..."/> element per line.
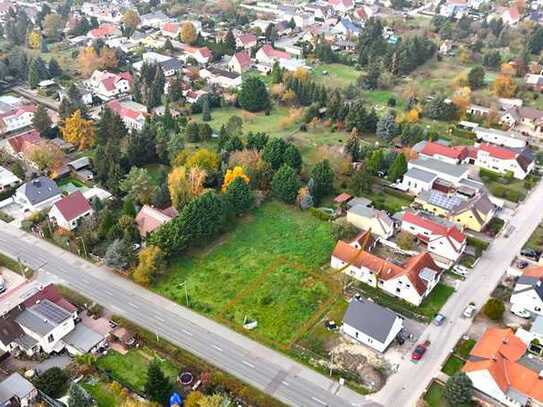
<point x="438" y="166"/>
<point x="83" y="338"/>
<point x="39" y="190"/>
<point x="15" y="385"/>
<point x="370" y="319"/>
<point x="42" y="317"/>
<point x="421" y="175"/>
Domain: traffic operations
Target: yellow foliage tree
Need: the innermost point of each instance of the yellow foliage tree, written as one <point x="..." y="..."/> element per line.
<point x="197" y="176"/>
<point x="79" y="131"/>
<point x="46" y="155"/>
<point x="188" y="33"/>
<point x="504" y="86"/>
<point x="232" y="174"/>
<point x="288" y="97"/>
<point x="301" y="74"/>
<point x="150" y="262"/>
<point x="89" y="60"/>
<point x="131" y="19"/>
<point x="462" y="99"/>
<point x="412" y="116"/>
<point x="460" y="80"/>
<point x="205" y="159"/>
<point x="507" y="69"/>
<point x="34" y="39"/>
<point x="193" y="399"/>
<point x="179" y="187"/>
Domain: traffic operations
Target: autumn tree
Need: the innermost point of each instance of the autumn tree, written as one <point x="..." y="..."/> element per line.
<point x="150" y="263"/>
<point x="232" y="174"/>
<point x="52" y="26"/>
<point x="91" y="60"/>
<point x="46" y="155"/>
<point x="34" y="39"/>
<point x="79" y="131"/>
<point x="131" y="19"/>
<point x="188" y="33"/>
<point x="179" y="187"/>
<point x="138" y="185"/>
<point x="462" y="99"/>
<point x="204" y="158"/>
<point x="504" y="86"/>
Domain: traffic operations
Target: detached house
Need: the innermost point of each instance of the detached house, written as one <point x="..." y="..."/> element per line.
<point x="17" y="118"/>
<point x="452" y="155"/>
<point x="534" y="82"/>
<point x="528" y="291"/>
<point x="412" y="281"/>
<point x="444" y="241"/>
<point x="240" y="62"/>
<point x="222" y="78"/>
<point x="341" y="6"/>
<point x="8" y="180"/>
<point x="499" y="137"/>
<point x="526" y="120"/>
<point x="132" y="113"/>
<point x="107" y="85"/>
<point x="38" y="194"/>
<point x="104" y="31"/>
<point x="202" y="55"/>
<point x="171" y="30"/>
<point x="16" y="146"/>
<point x="68" y="211"/>
<point x="510" y="16"/>
<point x="149" y="219"/>
<point x="365" y="218"/>
<point x="246" y="41"/>
<point x="269" y="55"/>
<point x="518" y="162"/>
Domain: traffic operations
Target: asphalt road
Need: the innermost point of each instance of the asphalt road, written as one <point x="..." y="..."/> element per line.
<point x="406" y="386"/>
<point x="270" y="371"/>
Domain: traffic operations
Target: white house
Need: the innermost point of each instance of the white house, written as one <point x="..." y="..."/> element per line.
<point x="499" y="137"/>
<point x="503" y="160"/>
<point x="268" y="55"/>
<point x="416" y="180"/>
<point x="132" y="113"/>
<point x="412" y="281"/>
<point x="365" y="218"/>
<point x="154" y="19"/>
<point x="240" y="62"/>
<point x="444" y="241"/>
<point x="39" y="194"/>
<point x="528" y="291"/>
<point x="108" y="85"/>
<point x="8" y="180"/>
<point x="68" y="211"/>
<point x="449" y="172"/>
<point x="246" y="41"/>
<point x="371" y="324"/>
<point x="202" y="55"/>
<point x="222" y="78"/>
<point x="439" y="151"/>
<point x="17" y="118"/>
<point x="15" y="390"/>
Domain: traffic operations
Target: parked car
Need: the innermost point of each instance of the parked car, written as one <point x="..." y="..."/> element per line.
<point x="522" y="264"/>
<point x="470" y="310"/>
<point x="2" y="284"/>
<point x="520" y="312"/>
<point x="420" y="350"/>
<point x="460" y="270"/>
<point x="530" y="253"/>
<point x="439" y="319"/>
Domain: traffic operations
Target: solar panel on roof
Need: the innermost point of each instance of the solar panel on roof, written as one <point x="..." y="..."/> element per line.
<point x="51" y="311"/>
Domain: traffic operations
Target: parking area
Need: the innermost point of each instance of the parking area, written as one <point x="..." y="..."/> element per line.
<point x="12" y="280"/>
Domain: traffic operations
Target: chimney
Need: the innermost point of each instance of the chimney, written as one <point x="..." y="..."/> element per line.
<point x="36" y="182"/>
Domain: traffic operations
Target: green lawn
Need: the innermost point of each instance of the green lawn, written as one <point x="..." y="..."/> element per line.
<point x="536" y="239"/>
<point x="131" y="369"/>
<point x="102" y="395"/>
<point x="266" y="269"/>
<point x="452" y="365"/>
<point x="388" y="200"/>
<point x="434" y="396"/>
<point x="338" y="75"/>
<point x="464" y="347"/>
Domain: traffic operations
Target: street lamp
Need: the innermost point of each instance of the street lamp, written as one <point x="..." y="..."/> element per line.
<point x="184" y="284"/>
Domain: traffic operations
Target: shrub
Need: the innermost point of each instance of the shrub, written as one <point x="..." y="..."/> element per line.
<point x="53" y="382"/>
<point x="494" y="309"/>
<point x="319" y="214"/>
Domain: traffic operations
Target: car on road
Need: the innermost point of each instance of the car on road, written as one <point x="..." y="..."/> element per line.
<point x="460" y="270"/>
<point x="520" y="312"/>
<point x="439" y="319"/>
<point x="420" y="350"/>
<point x="469" y="311"/>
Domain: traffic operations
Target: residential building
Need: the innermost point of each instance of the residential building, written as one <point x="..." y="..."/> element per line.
<point x="411" y="281"/>
<point x="169" y="65"/>
<point x="240" y="62"/>
<point x="68" y="211"/>
<point x="8" y="180"/>
<point x="202" y="55"/>
<point x="17" y="118"/>
<point x="474" y="213"/>
<point x="170" y="29"/>
<point x="448" y="172"/>
<point x="454" y="8"/>
<point x="39" y="194"/>
<point x="534" y="82"/>
<point x="499" y="137"/>
<point x="518" y="162"/>
<point x="510" y="15"/>
<point x="452" y="155"/>
<point x="373" y="220"/>
<point x="528" y="291"/>
<point x="154" y="19"/>
<point x="15" y="390"/>
<point x="371" y="324"/>
<point x="104" y="31"/>
<point x="499" y="367"/>
<point x="268" y="55"/>
<point x="341" y="6"/>
<point x="149" y="219"/>
<point x="444" y="240"/>
<point x="246" y="41"/>
<point x="416" y="180"/>
<point x="108" y="85"/>
<point x="132" y="113"/>
<point x="222" y="78"/>
<point x="346" y="28"/>
<point x="526" y="120"/>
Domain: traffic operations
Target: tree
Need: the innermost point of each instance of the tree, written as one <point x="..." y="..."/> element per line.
<point x="476" y="77"/>
<point x="118" y="255"/>
<point x="234" y="126"/>
<point x="138" y="185"/>
<point x="193" y="399"/>
<point x="285" y="184"/>
<point x="398" y="168"/>
<point x="150" y="263"/>
<point x="52" y="25"/>
<point x="131" y="19"/>
<point x="375" y="162"/>
<point x="387" y="128"/>
<point x="34" y="39"/>
<point x="323" y="180"/>
<point x="205" y="131"/>
<point x="33" y="74"/>
<point x="274" y="152"/>
<point x="406" y="241"/>
<point x="492" y="59"/>
<point x="78" y="397"/>
<point x="253" y="95"/>
<point x="257" y="141"/>
<point x="46" y="155"/>
<point x="54" y="68"/>
<point x="494" y="309"/>
<point x="458" y="390"/>
<point x="238" y="196"/>
<point x="204" y="158"/>
<point x="440" y="109"/>
<point x="89" y="60"/>
<point x="79" y="131"/>
<point x="535" y="40"/>
<point x="503" y="86"/>
<point x="230" y="42"/>
<point x="157" y="386"/>
<point x="292" y="157"/>
<point x="206" y="114"/>
<point x="276" y="73"/>
<point x="188" y="33"/>
<point x="232" y="174"/>
<point x="192" y="132"/>
<point x="52" y="382"/>
<point x="179" y="187"/>
<point x="41" y="120"/>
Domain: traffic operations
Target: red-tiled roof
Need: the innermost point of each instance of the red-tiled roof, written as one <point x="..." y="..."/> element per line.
<point x="103" y="31"/>
<point x="243" y="58"/>
<point x="122" y="111"/>
<point x="247" y="38"/>
<point x="73" y="206"/>
<point x="149" y="219"/>
<point x="274" y="53"/>
<point x="171" y="27"/>
<point x="434" y="227"/>
<point x="457" y="152"/>
<point x="18" y="143"/>
<point x="498" y="152"/>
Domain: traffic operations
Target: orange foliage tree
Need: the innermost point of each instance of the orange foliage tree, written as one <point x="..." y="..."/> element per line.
<point x="232" y="174"/>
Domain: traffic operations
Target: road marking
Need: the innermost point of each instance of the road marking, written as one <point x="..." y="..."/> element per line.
<point x="285" y="383"/>
<point x="108" y="293"/>
<point x="319" y="401"/>
<point x="160" y="318"/>
<point x="186" y="332"/>
<point x="248" y="364"/>
<point x="85" y="280"/>
<point x="218" y="348"/>
<point x="133" y="305"/>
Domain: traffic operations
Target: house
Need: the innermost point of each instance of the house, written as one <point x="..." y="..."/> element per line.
<point x="526" y="120"/>
<point x="240" y="62"/>
<point x="416" y="180"/>
<point x="132" y="113"/>
<point x="499" y="367"/>
<point x="518" y="162"/>
<point x="534" y="82"/>
<point x="411" y="281"/>
<point x="17" y="118"/>
<point x="104" y="31"/>
<point x="454" y="8"/>
<point x="320" y="11"/>
<point x="82" y="168"/>
<point x="452" y="155"/>
<point x="377" y="222"/>
<point x="15" y="390"/>
<point x="107" y="85"/>
<point x="510" y="16"/>
<point x="346" y="28"/>
<point x="474" y="213"/>
<point x="268" y="55"/>
<point x="154" y="19"/>
<point x="172" y="30"/>
<point x="8" y="180"/>
<point x="246" y="41"/>
<point x="444" y="240"/>
<point x="528" y="291"/>
<point x="444" y="170"/>
<point x="68" y="211"/>
<point x="371" y="324"/>
<point x="499" y="137"/>
<point x="341" y="6"/>
<point x="149" y="219"/>
<point x="169" y="65"/>
<point x="478" y="110"/>
<point x="222" y="78"/>
<point x="39" y="194"/>
<point x="202" y="55"/>
<point x="83" y="339"/>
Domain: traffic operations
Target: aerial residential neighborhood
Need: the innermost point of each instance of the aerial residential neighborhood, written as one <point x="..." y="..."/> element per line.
<point x="268" y="203"/>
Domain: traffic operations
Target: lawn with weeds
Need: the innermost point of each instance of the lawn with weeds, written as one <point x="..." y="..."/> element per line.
<point x="335" y="75"/>
<point x="434" y="396"/>
<point x="452" y="365"/>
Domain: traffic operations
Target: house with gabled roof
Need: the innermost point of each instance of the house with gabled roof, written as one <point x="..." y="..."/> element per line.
<point x="68" y="211"/>
<point x="341" y="6"/>
<point x="104" y="31"/>
<point x="202" y="55"/>
<point x="510" y="15"/>
<point x="365" y="218"/>
<point x="528" y="290"/>
<point x="246" y="41"/>
<point x="411" y="281"/>
<point x="149" y="219"/>
<point x="108" y="85"/>
<point x="518" y="162"/>
<point x="133" y="114"/>
<point x="220" y="77"/>
<point x="17" y="118"/>
<point x="154" y="19"/>
<point x="449" y="154"/>
<point x="38" y="194"/>
<point x="269" y="55"/>
<point x="524" y="119"/>
<point x="17" y="145"/>
<point x="240" y="62"/>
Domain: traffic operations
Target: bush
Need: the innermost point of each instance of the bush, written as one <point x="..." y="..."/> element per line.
<point x="479" y="245"/>
<point x="319" y="214"/>
<point x="343" y="231"/>
<point x="53" y="382"/>
<point x="489" y="175"/>
<point x="494" y="309"/>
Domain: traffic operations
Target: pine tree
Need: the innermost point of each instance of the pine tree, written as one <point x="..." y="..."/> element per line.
<point x="458" y="390"/>
<point x="33" y="75"/>
<point x="387" y="128"/>
<point x="206" y="114"/>
<point x="285" y="184"/>
<point x="157" y="386"/>
<point x="323" y="180"/>
<point x="276" y="73"/>
<point x="292" y="157"/>
<point x="398" y="168"/>
<point x="41" y="120"/>
<point x="253" y="95"/>
<point x="54" y="68"/>
<point x="230" y="43"/>
<point x="238" y="196"/>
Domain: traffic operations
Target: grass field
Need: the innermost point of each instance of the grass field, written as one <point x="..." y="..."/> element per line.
<point x="131" y="369"/>
<point x="266" y="269"/>
<point x="452" y="365"/>
<point x="338" y="75"/>
<point x="434" y="396"/>
<point x="102" y="395"/>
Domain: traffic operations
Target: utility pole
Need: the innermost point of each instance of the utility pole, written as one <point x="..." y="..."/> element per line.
<point x="184" y="284"/>
<point x="84" y="246"/>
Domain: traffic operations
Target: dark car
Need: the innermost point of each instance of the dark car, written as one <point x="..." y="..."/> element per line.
<point x="530" y="253"/>
<point x="420" y="350"/>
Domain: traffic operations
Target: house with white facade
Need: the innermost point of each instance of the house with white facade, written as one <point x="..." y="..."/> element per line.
<point x="246" y="41"/>
<point x="39" y="194"/>
<point x="411" y="281"/>
<point x="416" y="180"/>
<point x="371" y="324"/>
<point x="518" y="162"/>
<point x="528" y="291"/>
<point x="108" y="85"/>
<point x="240" y="62"/>
<point x="8" y="180"/>
<point x="17" y="118"/>
<point x="499" y="137"/>
<point x="446" y="171"/>
<point x="170" y="29"/>
<point x="15" y="390"/>
<point x="202" y="55"/>
<point x="133" y="114"/>
<point x="68" y="211"/>
<point x="370" y="219"/>
<point x="220" y="77"/>
<point x="269" y="55"/>
<point x="449" y="154"/>
<point x="444" y="240"/>
<point x="154" y="19"/>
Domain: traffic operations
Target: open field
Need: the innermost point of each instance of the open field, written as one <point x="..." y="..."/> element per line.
<point x="338" y="75"/>
<point x="266" y="269"/>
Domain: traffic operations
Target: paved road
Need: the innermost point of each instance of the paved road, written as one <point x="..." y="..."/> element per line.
<point x="44" y="100"/>
<point x="406" y="386"/>
<point x="262" y="367"/>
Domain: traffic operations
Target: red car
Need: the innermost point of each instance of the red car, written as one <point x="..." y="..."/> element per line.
<point x="420" y="350"/>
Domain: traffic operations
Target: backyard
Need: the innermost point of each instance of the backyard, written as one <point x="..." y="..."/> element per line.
<point x="102" y="394"/>
<point x="434" y="396"/>
<point x="265" y="270"/>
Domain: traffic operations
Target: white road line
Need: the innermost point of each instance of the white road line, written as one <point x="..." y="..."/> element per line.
<point x="248" y="364"/>
<point x="85" y="280"/>
<point x="285" y="383"/>
<point x="133" y="305"/>
<point x="186" y="332"/>
<point x="218" y="348"/>
<point x="160" y="318"/>
<point x="319" y="401"/>
<point x="108" y="293"/>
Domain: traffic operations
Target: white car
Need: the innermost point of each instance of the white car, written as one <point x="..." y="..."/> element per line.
<point x="520" y="312"/>
<point x="460" y="270"/>
<point x="470" y="310"/>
